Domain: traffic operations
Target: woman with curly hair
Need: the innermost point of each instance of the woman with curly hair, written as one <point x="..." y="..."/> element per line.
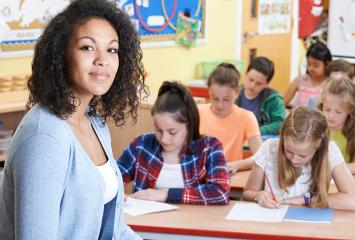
<point x="60" y="178"/>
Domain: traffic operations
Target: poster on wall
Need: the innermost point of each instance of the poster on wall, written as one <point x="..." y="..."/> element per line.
<point x="341" y="29"/>
<point x="22" y="22"/>
<point x="274" y="16"/>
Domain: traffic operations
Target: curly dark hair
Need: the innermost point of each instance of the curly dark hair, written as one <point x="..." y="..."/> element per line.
<point x="49" y="83"/>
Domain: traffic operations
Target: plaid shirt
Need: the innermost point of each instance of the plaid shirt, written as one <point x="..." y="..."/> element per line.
<point x="205" y="171"/>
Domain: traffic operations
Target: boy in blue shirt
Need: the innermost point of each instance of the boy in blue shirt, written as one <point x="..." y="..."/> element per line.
<point x="256" y="96"/>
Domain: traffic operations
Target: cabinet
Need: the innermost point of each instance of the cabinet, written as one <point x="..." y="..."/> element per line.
<point x="122" y="136"/>
<point x="12" y="109"/>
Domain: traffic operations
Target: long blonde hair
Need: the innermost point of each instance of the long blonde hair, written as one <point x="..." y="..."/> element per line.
<point x="344" y="89"/>
<point x="306" y="125"/>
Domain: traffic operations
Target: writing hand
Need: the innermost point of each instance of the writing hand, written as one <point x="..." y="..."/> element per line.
<point x="265" y="199"/>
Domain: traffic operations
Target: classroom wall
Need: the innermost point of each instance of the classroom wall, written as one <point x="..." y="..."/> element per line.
<point x="173" y="63"/>
<point x="179" y="63"/>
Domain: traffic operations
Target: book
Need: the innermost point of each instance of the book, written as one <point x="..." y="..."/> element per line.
<point x="136" y="207"/>
<point x="317" y="215"/>
<point x="256" y="213"/>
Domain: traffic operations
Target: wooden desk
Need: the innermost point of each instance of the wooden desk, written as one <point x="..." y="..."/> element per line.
<point x="208" y="222"/>
<point x="239" y="180"/>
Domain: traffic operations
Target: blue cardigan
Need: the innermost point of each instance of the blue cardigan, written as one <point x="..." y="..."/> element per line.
<point x="50" y="189"/>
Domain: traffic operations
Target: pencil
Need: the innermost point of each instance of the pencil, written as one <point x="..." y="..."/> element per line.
<point x="268" y="183"/>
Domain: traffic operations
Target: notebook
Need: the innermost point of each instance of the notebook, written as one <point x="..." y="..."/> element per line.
<point x="136" y="207"/>
<point x="324" y="215"/>
<point x="254" y="212"/>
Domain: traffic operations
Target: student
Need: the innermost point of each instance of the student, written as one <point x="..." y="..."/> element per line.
<point x="341" y="69"/>
<point x="176" y="164"/>
<point x="266" y="104"/>
<point x="338" y="105"/>
<point x="60" y="179"/>
<point x="311" y="84"/>
<point x="223" y="119"/>
<point x="301" y="161"/>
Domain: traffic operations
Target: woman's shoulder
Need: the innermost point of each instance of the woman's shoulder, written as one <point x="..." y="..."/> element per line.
<point x="40" y="120"/>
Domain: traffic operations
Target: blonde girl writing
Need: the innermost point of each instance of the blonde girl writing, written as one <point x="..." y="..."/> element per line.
<point x="301" y="161"/>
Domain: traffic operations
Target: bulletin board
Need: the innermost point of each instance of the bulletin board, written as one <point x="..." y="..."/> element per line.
<point x="22" y="21"/>
<point x="341" y="29"/>
<point x="155" y="20"/>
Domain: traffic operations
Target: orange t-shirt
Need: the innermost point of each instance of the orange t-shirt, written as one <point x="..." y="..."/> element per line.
<point x="232" y="130"/>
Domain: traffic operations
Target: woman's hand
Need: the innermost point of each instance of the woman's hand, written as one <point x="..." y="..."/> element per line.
<point x="151" y="194"/>
<point x="265" y="199"/>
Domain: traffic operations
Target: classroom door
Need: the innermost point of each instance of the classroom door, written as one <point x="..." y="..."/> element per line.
<point x="276" y="46"/>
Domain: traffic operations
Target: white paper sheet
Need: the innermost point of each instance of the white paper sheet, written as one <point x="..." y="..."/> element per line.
<point x="136" y="207"/>
<point x="253" y="212"/>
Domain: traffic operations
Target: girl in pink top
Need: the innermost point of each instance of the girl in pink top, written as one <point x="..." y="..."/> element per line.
<point x="311" y="84"/>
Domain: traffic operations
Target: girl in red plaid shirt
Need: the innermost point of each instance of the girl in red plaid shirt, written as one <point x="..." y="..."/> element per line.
<point x="176" y="164"/>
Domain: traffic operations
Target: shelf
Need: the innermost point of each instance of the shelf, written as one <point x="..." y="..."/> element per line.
<point x="13" y="101"/>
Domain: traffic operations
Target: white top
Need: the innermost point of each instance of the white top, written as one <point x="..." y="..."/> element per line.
<point x="266" y="158"/>
<point x="110" y="179"/>
<point x="170" y="176"/>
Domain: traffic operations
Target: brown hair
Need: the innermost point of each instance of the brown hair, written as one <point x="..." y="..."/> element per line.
<point x="341" y="66"/>
<point x="263" y="65"/>
<point x="344" y="89"/>
<point x="174" y="98"/>
<point x="309" y="125"/>
<point x="225" y="74"/>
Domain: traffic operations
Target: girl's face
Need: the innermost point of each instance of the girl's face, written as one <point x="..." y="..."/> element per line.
<point x="335" y="111"/>
<point x="315" y="67"/>
<point x="92" y="58"/>
<point x="170" y="133"/>
<point x="222" y="99"/>
<point x="299" y="154"/>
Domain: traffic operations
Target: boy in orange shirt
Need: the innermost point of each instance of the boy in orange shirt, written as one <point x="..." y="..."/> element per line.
<point x="223" y="119"/>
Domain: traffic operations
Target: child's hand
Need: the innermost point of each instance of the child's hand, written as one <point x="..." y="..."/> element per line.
<point x="294" y="201"/>
<point x="232" y="167"/>
<point x="265" y="199"/>
<point x="151" y="194"/>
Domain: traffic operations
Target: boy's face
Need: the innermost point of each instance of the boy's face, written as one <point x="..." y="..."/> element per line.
<point x="255" y="82"/>
<point x="222" y="99"/>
